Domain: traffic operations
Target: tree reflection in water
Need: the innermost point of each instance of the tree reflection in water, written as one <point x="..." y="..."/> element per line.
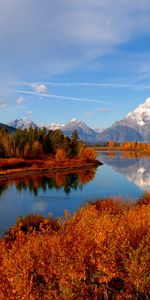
<point x="67" y="181"/>
<point x="3" y="186"/>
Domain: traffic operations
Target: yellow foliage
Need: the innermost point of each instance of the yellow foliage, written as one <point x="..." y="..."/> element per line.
<point x="87" y="153"/>
<point x="60" y="155"/>
<point x="100" y="251"/>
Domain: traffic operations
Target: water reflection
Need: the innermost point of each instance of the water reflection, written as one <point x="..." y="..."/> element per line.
<point x="67" y="181"/>
<point x="3" y="186"/>
<point x="131" y="164"/>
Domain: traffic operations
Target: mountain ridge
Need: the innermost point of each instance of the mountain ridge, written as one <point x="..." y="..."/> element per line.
<point x="139" y="119"/>
<point x="10" y="129"/>
<point x="134" y="127"/>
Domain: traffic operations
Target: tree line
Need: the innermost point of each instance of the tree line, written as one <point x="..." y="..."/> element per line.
<point x="35" y="143"/>
<point x="128" y="145"/>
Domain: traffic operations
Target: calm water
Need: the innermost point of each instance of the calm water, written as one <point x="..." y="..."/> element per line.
<point x="118" y="176"/>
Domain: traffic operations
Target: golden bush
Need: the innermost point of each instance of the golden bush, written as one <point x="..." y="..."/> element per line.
<point x="100" y="252"/>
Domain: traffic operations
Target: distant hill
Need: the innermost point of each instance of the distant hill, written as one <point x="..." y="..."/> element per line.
<point x="8" y="128"/>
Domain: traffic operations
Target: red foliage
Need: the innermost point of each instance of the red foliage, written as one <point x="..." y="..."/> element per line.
<point x="100" y="252"/>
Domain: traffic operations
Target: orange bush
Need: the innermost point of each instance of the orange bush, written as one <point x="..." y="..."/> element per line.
<point x="87" y="153"/>
<point x="100" y="252"/>
<point x="60" y="155"/>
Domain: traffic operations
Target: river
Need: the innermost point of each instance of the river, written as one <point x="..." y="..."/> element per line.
<point x="120" y="175"/>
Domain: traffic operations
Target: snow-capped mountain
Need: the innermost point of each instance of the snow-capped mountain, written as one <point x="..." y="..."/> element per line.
<point x="54" y="126"/>
<point x="85" y="132"/>
<point x="139" y="119"/>
<point x="99" y="130"/>
<point x="134" y="127"/>
<point x="22" y="124"/>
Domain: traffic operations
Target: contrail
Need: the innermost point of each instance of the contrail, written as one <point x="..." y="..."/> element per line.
<point x="86" y="84"/>
<point x="59" y="97"/>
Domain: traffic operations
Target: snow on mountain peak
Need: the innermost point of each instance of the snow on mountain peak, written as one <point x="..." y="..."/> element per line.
<point x="22" y="123"/>
<point x="74" y="120"/>
<point x="147" y="102"/>
<point x="54" y="126"/>
<point x="138" y="119"/>
<point x="141" y="114"/>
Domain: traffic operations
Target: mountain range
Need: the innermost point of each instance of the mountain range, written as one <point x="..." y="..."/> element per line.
<point x="134" y="127"/>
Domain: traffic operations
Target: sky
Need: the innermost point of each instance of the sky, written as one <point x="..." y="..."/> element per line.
<point x="67" y="59"/>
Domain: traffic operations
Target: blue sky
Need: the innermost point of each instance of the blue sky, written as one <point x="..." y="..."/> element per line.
<point x="67" y="59"/>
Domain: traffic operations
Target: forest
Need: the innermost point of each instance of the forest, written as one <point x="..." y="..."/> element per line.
<point x="35" y="143"/>
<point x="128" y="145"/>
<point x="42" y="149"/>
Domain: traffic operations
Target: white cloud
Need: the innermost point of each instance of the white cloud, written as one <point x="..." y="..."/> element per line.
<point x="63" y="35"/>
<point x="29" y="112"/>
<point x="20" y="100"/>
<point x="105" y="110"/>
<point x="40" y="88"/>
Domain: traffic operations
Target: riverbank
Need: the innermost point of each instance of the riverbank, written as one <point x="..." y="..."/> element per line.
<point x="124" y="152"/>
<point x="18" y="167"/>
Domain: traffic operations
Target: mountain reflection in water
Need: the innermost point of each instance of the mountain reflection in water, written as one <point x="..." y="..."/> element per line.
<point x="136" y="168"/>
<point x="67" y="181"/>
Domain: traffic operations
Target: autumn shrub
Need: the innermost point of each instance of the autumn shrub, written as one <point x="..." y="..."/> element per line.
<point x="30" y="224"/>
<point x="37" y="149"/>
<point x="144" y="200"/>
<point x="100" y="252"/>
<point x="60" y="155"/>
<point x="87" y="153"/>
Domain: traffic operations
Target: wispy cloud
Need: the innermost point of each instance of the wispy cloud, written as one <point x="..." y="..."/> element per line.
<point x="112" y="85"/>
<point x="105" y="110"/>
<point x="20" y="100"/>
<point x="63" y="35"/>
<point x="3" y="103"/>
<point x="88" y="113"/>
<point x="61" y="97"/>
<point x="29" y="112"/>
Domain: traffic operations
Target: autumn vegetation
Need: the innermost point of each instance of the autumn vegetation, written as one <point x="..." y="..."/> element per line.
<point x="42" y="149"/>
<point x="36" y="143"/>
<point x="102" y="251"/>
<point x="126" y="146"/>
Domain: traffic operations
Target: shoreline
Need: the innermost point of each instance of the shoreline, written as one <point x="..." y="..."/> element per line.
<point x="12" y="173"/>
<point x="137" y="152"/>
